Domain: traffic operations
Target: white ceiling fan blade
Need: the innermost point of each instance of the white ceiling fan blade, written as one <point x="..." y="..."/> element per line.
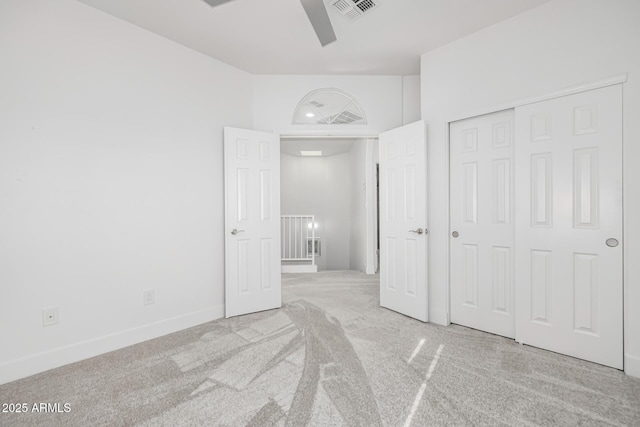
<point x="317" y="13"/>
<point x="215" y="3"/>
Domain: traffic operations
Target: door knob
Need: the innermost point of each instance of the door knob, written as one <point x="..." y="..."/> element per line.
<point x="234" y="231"/>
<point x="417" y="231"/>
<point x="612" y="243"/>
<point x="455" y="234"/>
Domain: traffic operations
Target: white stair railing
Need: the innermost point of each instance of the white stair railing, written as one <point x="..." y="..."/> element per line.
<point x="299" y="241"/>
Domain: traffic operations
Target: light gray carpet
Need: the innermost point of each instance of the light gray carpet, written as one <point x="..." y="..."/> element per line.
<point x="330" y="356"/>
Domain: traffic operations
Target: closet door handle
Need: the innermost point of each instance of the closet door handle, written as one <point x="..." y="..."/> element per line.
<point x="612" y="243"/>
<point x="455" y="234"/>
<point x="417" y="231"/>
<point x="234" y="231"/>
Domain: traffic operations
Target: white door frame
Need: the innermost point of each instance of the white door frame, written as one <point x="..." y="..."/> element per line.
<point x="613" y="80"/>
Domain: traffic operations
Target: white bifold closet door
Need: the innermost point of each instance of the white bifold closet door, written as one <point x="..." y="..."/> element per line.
<point x="482" y="294"/>
<point x="536" y="224"/>
<point x="569" y="225"/>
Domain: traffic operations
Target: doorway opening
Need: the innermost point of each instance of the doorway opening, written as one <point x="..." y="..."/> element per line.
<point x="328" y="204"/>
<point x="253" y="259"/>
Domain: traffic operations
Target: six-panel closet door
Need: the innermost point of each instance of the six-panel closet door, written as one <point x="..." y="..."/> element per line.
<point x="536" y="224"/>
<point x="481" y="156"/>
<point x="569" y="292"/>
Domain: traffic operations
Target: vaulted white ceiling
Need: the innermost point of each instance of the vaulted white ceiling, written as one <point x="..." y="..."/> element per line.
<point x="275" y="36"/>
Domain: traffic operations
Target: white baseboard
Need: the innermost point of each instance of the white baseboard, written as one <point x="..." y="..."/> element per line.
<point x="439" y="317"/>
<point x="33" y="364"/>
<point x="632" y="365"/>
<point x="300" y="268"/>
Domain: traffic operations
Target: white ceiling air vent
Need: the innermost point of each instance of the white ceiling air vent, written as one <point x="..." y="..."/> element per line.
<point x="353" y="9"/>
<point x="345" y="117"/>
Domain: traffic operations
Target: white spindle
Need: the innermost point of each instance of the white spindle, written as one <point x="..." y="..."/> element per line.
<point x="313" y="240"/>
<point x="296" y="242"/>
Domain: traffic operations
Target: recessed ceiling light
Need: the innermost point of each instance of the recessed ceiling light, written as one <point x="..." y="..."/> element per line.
<point x="310" y="153"/>
<point x="310" y="115"/>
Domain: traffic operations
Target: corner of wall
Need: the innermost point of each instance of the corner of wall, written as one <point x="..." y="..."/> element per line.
<point x="632" y="365"/>
<point x="411" y="99"/>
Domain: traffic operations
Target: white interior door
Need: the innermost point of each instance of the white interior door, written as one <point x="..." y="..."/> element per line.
<point x="569" y="232"/>
<point x="482" y="209"/>
<point x="252" y="221"/>
<point x="403" y="219"/>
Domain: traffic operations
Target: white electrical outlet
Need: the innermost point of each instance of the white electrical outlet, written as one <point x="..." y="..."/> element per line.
<point x="149" y="297"/>
<point x="50" y="316"/>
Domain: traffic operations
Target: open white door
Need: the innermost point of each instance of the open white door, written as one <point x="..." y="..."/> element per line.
<point x="252" y="221"/>
<point x="403" y="220"/>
